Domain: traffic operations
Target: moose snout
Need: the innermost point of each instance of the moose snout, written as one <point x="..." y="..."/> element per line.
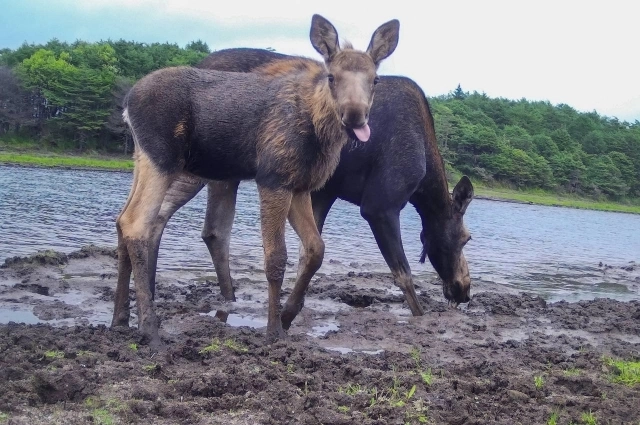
<point x="354" y="115"/>
<point x="457" y="292"/>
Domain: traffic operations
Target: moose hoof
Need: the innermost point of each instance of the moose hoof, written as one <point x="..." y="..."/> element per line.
<point x="120" y="322"/>
<point x="288" y="314"/>
<point x="275" y="335"/>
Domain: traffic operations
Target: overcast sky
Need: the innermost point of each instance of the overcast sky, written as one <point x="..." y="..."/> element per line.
<point x="582" y="53"/>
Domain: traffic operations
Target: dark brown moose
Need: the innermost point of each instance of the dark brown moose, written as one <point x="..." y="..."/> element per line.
<point x="284" y="127"/>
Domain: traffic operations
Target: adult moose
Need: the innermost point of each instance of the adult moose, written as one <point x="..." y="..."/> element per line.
<point x="400" y="164"/>
<point x="284" y="128"/>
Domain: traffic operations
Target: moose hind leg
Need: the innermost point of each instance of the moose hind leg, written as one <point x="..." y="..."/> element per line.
<point x="301" y="217"/>
<point x="181" y="191"/>
<point x="274" y="207"/>
<point x="121" y="300"/>
<point x="216" y="233"/>
<point x="136" y="222"/>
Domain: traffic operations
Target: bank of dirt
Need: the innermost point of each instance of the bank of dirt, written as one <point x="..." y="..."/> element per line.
<point x="354" y="355"/>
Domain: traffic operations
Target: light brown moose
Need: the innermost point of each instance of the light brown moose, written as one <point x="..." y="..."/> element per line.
<point x="284" y="128"/>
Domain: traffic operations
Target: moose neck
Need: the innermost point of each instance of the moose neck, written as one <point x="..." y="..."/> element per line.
<point x="324" y="116"/>
<point x="432" y="199"/>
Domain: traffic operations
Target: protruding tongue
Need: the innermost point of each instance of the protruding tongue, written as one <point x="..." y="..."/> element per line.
<point x="363" y="133"/>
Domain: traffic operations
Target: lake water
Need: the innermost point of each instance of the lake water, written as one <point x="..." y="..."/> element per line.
<point x="552" y="251"/>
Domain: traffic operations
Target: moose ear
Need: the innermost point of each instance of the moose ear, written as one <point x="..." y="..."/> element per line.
<point x="462" y="195"/>
<point x="384" y="41"/>
<point x="324" y="37"/>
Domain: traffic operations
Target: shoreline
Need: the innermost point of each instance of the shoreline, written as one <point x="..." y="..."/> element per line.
<point x="489" y="194"/>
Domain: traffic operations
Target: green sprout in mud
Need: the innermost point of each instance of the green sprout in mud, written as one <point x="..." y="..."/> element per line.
<point x="235" y="346"/>
<point x="572" y="371"/>
<point x="53" y="354"/>
<point x="589" y="418"/>
<point x="150" y="367"/>
<point x="538" y="381"/>
<point x="393" y="395"/>
<point x="214" y="347"/>
<point x="290" y="368"/>
<point x="417" y="413"/>
<point x="3" y="417"/>
<point x="624" y="372"/>
<point x="102" y="417"/>
<point x="133" y="346"/>
<point x="553" y="419"/>
<point x="343" y="409"/>
<point x="427" y="377"/>
<point x="415" y="355"/>
<point x="231" y="344"/>
<point x="351" y="389"/>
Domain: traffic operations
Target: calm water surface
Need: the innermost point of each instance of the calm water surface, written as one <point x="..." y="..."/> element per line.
<point x="551" y="251"/>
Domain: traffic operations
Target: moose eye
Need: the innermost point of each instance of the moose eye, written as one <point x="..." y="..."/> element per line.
<point x="376" y="80"/>
<point x="330" y="77"/>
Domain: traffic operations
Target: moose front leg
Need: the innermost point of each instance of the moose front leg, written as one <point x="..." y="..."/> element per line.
<point x="274" y="207"/>
<point x="308" y="227"/>
<point x="385" y="226"/>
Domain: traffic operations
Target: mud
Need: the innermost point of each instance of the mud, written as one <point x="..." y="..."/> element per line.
<point x="354" y="355"/>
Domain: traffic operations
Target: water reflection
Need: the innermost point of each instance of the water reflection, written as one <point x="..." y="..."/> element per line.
<point x="552" y="251"/>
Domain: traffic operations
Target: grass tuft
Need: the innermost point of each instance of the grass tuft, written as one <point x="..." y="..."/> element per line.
<point x="65" y="161"/>
<point x="54" y="354"/>
<point x="624" y="372"/>
<point x="589" y="418"/>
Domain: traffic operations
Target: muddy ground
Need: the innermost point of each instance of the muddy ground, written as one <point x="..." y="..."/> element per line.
<point x="354" y="355"/>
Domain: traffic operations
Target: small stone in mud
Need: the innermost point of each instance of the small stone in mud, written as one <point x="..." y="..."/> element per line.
<point x="517" y="395"/>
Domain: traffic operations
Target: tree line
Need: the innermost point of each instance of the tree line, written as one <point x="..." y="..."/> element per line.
<point x="538" y="145"/>
<point x="68" y="95"/>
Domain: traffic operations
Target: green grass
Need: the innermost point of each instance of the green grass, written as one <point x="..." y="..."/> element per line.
<point x="3" y="417"/>
<point x="214" y="347"/>
<point x="231" y="344"/>
<point x="553" y="419"/>
<point x="234" y="345"/>
<point x="427" y="377"/>
<point x="572" y="371"/>
<point x="150" y="367"/>
<point x="53" y="354"/>
<point x="541" y="197"/>
<point x="624" y="372"/>
<point x="538" y="381"/>
<point x="102" y="417"/>
<point x="589" y="418"/>
<point x="133" y="346"/>
<point x="55" y="160"/>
